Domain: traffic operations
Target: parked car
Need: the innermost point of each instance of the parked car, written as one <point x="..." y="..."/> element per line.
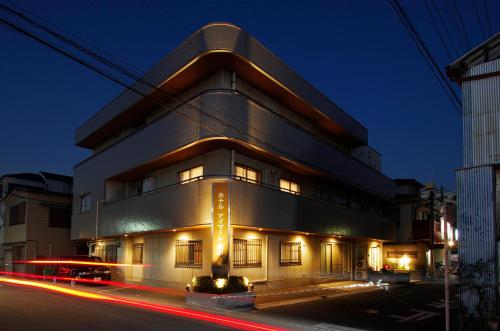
<point x="82" y="271"/>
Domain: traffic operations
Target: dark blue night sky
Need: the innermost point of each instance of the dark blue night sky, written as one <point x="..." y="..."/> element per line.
<point x="355" y="52"/>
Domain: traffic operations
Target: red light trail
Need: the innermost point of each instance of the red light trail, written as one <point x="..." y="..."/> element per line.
<point x="169" y="291"/>
<point x="231" y="322"/>
<point x="105" y="264"/>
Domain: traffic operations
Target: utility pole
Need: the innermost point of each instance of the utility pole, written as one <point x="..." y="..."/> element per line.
<point x="431" y="230"/>
<point x="446" y="264"/>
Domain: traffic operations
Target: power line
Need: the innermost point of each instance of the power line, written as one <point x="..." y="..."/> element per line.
<point x="424" y="51"/>
<point x="478" y="19"/>
<point x="437" y="30"/>
<point x="487" y="17"/>
<point x="461" y="21"/>
<point x="116" y="80"/>
<point x="61" y="30"/>
<point x="135" y="77"/>
<point x="443" y="23"/>
<point x="455" y="25"/>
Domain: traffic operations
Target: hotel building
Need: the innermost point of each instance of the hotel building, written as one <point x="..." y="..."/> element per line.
<point x="224" y="160"/>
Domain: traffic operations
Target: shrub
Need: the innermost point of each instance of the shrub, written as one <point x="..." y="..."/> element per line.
<point x="206" y="284"/>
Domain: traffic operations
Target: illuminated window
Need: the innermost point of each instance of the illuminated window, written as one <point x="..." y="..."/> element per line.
<point x="17" y="214"/>
<point x="290" y="253"/>
<point x="85" y="202"/>
<point x="247" y="253"/>
<point x="188" y="253"/>
<point x="289" y="186"/>
<point x="191" y="175"/>
<point x="247" y="174"/>
<point x="138" y="254"/>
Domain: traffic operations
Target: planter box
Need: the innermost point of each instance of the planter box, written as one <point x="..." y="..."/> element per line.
<point x="241" y="300"/>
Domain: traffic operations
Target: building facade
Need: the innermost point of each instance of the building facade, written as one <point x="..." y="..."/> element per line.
<point x="418" y="225"/>
<point x="36" y="215"/>
<point x="227" y="161"/>
<point x="478" y="185"/>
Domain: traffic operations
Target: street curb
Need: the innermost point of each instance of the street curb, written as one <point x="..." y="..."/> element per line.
<point x="289" y="302"/>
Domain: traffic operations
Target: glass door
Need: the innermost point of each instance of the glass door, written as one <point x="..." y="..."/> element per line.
<point x="326" y="259"/>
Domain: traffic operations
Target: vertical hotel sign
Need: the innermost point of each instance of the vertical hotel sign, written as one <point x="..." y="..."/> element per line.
<point x="220" y="230"/>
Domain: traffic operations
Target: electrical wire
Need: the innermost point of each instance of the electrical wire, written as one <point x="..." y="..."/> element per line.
<point x="424" y="51"/>
<point x="486" y="12"/>
<point x="455" y="25"/>
<point x="478" y="19"/>
<point x="437" y="30"/>
<point x="445" y="28"/>
<point x="116" y="80"/>
<point x="174" y="93"/>
<point x="461" y="21"/>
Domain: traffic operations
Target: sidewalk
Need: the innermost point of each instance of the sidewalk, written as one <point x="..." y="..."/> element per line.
<point x="289" y="296"/>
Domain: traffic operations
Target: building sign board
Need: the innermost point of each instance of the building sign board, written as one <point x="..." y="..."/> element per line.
<point x="220" y="230"/>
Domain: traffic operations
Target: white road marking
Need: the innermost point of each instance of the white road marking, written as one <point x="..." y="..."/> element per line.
<point x="440" y="304"/>
<point x="334" y="327"/>
<point x="419" y="315"/>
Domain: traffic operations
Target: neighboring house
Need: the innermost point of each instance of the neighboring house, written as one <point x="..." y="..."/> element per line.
<point x="247" y="169"/>
<point x="478" y="181"/>
<point x="36" y="218"/>
<point x="411" y="230"/>
<point x="419" y="234"/>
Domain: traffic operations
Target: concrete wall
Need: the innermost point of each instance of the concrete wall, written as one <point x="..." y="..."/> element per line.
<point x="251" y="205"/>
<point x="171" y="131"/>
<point x="159" y="258"/>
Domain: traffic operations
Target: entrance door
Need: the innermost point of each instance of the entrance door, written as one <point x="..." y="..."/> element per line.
<point x="334" y="260"/>
<point x="375" y="258"/>
<point x="326" y="259"/>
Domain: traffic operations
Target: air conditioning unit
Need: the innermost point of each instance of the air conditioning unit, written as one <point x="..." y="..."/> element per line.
<point x="360" y="265"/>
<point x="360" y="275"/>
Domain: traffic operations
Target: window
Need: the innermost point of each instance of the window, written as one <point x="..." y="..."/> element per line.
<point x="247" y="253"/>
<point x="322" y="195"/>
<point x="290" y="253"/>
<point x="188" y="253"/>
<point x="341" y="200"/>
<point x="59" y="217"/>
<point x="107" y="252"/>
<point x="148" y="184"/>
<point x="191" y="175"/>
<point x="289" y="186"/>
<point x="247" y="174"/>
<point x="17" y="214"/>
<point x="138" y="254"/>
<point x="355" y="204"/>
<point x="85" y="202"/>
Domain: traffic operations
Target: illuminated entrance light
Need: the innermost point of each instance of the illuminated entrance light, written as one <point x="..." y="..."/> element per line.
<point x="221" y="282"/>
<point x="404" y="262"/>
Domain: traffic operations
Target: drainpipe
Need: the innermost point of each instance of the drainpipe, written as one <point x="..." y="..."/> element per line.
<point x="97" y="218"/>
<point x="233" y="81"/>
<point x="231" y="172"/>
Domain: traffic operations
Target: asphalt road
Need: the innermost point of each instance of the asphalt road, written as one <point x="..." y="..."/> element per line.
<point x="24" y="309"/>
<point x="414" y="307"/>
